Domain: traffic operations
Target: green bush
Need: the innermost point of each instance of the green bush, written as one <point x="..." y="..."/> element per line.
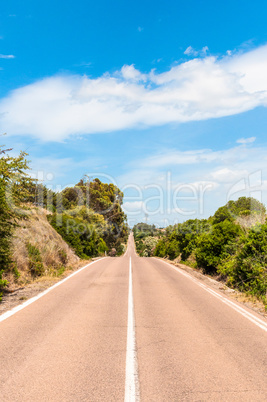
<point x="247" y="270"/>
<point x="120" y="249"/>
<point x="244" y="206"/>
<point x="16" y="272"/>
<point x="79" y="234"/>
<point x="146" y="238"/>
<point x="3" y="283"/>
<point x="212" y="247"/>
<point x="172" y="249"/>
<point x="60" y="270"/>
<point x="220" y="245"/>
<point x="222" y="214"/>
<point x="181" y="239"/>
<point x="35" y="260"/>
<point x="149" y="243"/>
<point x="160" y="250"/>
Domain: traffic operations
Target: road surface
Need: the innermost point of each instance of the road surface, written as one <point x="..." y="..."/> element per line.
<point x="132" y="328"/>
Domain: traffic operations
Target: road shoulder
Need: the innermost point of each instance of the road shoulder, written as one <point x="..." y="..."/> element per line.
<point x="248" y="301"/>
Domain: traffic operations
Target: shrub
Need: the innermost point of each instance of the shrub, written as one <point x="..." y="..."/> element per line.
<point x="212" y="247"/>
<point x="16" y="272"/>
<point x="246" y="270"/>
<point x="181" y="239"/>
<point x="222" y="214"/>
<point x="35" y="260"/>
<point x="63" y="256"/>
<point x="3" y="283"/>
<point x="120" y="249"/>
<point x="160" y="250"/>
<point x="69" y="232"/>
<point x="172" y="249"/>
<point x="79" y="234"/>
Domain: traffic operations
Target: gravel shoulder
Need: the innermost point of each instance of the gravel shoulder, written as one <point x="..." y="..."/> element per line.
<point x="14" y="297"/>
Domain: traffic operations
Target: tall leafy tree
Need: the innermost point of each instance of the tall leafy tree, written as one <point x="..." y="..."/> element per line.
<point x="13" y="178"/>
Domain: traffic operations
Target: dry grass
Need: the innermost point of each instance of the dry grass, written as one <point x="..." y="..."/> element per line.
<point x="247" y="222"/>
<point x="56" y="254"/>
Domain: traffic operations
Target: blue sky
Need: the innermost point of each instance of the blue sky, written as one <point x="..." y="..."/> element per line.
<point x="166" y="99"/>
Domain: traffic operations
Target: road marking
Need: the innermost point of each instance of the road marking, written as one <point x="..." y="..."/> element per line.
<point x="251" y="317"/>
<point x="14" y="310"/>
<point x="131" y="375"/>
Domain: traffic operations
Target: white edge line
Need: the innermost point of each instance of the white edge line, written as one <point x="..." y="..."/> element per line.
<point x="14" y="310"/>
<point x="131" y="373"/>
<point x="257" y="321"/>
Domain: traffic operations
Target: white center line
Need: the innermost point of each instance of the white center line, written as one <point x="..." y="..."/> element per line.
<point x="131" y="377"/>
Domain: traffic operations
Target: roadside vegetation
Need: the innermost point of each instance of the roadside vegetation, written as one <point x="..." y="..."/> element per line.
<point x="89" y="217"/>
<point x="146" y="238"/>
<point x="43" y="232"/>
<point x="231" y="245"/>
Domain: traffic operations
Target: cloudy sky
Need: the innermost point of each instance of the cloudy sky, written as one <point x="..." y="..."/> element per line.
<point x="165" y="99"/>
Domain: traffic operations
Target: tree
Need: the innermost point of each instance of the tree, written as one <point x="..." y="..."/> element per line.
<point x="13" y="177"/>
<point x="245" y="206"/>
<point x="91" y="219"/>
<point x="211" y="247"/>
<point x="247" y="270"/>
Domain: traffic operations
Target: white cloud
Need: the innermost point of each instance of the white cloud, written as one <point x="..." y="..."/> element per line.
<point x="190" y="51"/>
<point x="84" y="64"/>
<point x="250" y="67"/>
<point x="218" y="169"/>
<point x="223" y="163"/>
<point x="132" y="74"/>
<point x="246" y="140"/>
<point x="199" y="181"/>
<point x="133" y="206"/>
<point x="54" y="108"/>
<point x="45" y="168"/>
<point x="178" y="158"/>
<point x="7" y="56"/>
<point x="201" y="156"/>
<point x="227" y="175"/>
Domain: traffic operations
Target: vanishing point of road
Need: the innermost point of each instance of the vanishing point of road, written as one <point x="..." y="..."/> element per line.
<point x="132" y="329"/>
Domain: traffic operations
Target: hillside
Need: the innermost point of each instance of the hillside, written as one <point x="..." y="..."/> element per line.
<point x="83" y="222"/>
<point x="36" y="244"/>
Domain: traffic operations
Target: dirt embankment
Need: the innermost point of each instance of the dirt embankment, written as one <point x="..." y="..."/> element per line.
<point x="55" y="258"/>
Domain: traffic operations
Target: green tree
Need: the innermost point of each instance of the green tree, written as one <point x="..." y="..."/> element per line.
<point x="222" y="214"/>
<point x="160" y="250"/>
<point x="247" y="270"/>
<point x="13" y="177"/>
<point x="212" y="247"/>
<point x="90" y="218"/>
<point x="245" y="206"/>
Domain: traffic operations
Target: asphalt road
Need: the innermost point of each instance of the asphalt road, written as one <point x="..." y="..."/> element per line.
<point x="72" y="344"/>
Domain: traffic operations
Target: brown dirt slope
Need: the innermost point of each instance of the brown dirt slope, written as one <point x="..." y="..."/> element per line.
<point x="55" y="254"/>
